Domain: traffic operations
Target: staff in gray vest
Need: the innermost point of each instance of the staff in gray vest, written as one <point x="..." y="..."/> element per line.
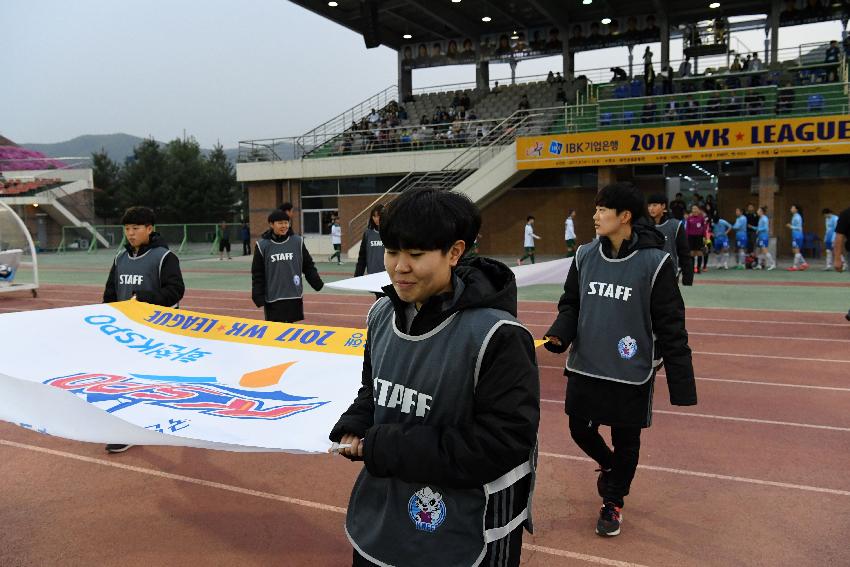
<point x="370" y="259"/>
<point x="146" y="269"/>
<point x="675" y="240"/>
<point x="280" y="259"/>
<point x="621" y="310"/>
<point x="446" y="418"/>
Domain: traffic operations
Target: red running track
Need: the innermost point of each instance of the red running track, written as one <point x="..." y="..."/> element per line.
<point x="754" y="475"/>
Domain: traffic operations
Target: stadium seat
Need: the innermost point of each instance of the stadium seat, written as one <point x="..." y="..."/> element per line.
<point x="628" y="116"/>
<point x="605" y="118"/>
<point x="816" y="102"/>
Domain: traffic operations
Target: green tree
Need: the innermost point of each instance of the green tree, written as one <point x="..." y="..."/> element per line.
<point x="184" y="182"/>
<point x="143" y="179"/>
<point x="107" y="179"/>
<point x="220" y="197"/>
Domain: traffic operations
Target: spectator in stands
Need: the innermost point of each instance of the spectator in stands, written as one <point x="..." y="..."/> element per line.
<point x="649" y="112"/>
<point x="785" y="99"/>
<point x="560" y="95"/>
<point x="504" y="47"/>
<point x="713" y="109"/>
<point x="523" y="103"/>
<point x="456" y="100"/>
<point x="554" y="40"/>
<point x="670" y="111"/>
<point x="756" y="63"/>
<point x="559" y="78"/>
<point x="736" y="64"/>
<point x="451" y="51"/>
<point x="550" y="78"/>
<point x="667" y="80"/>
<point x="755" y="104"/>
<point x="465" y="102"/>
<point x="734" y="105"/>
<point x="685" y="67"/>
<point x="468" y="50"/>
<point x="496" y="88"/>
<point x="745" y="65"/>
<point x="619" y="74"/>
<point x="832" y="52"/>
<point x="374" y="117"/>
<point x="689" y="110"/>
<point x="648" y="71"/>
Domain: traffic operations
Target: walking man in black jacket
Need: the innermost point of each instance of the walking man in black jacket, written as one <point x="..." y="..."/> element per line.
<point x="620" y="295"/>
<point x="446" y="418"/>
<point x="280" y="259"/>
<point x="146" y="269"/>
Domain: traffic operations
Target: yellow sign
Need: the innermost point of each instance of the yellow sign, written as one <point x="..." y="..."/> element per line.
<point x="335" y="340"/>
<point x="816" y="135"/>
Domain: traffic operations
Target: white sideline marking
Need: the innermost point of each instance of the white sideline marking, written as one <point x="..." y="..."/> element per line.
<point x="803" y="487"/>
<point x="731" y="418"/>
<point x="279" y="497"/>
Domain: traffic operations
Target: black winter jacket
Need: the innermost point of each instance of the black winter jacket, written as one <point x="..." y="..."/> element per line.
<point x="258" y="270"/>
<point x="683" y="251"/>
<point x="507" y="400"/>
<point x="668" y="323"/>
<point x="171" y="286"/>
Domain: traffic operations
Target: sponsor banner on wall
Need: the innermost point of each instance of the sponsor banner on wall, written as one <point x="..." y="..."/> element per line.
<point x="817" y="135"/>
<point x="137" y="373"/>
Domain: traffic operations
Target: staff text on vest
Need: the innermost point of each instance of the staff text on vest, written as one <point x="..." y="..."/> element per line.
<point x="282" y="256"/>
<point x="603" y="289"/>
<point x="375" y="243"/>
<point x="392" y="395"/>
<point x="131" y="279"/>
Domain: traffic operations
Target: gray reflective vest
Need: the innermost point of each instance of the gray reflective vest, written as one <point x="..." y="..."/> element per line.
<point x="374" y="252"/>
<point x="138" y="273"/>
<point x="430" y="379"/>
<point x="614" y="339"/>
<point x="670" y="229"/>
<point x="284" y="265"/>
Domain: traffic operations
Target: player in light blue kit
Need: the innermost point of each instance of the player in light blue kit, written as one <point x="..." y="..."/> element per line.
<point x="831" y="221"/>
<point x="763" y="241"/>
<point x="796" y="226"/>
<point x="741" y="240"/>
<point x="721" y="229"/>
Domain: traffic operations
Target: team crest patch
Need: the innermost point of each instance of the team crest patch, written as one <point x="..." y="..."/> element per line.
<point x="296" y="279"/>
<point x="427" y="509"/>
<point x="627" y="347"/>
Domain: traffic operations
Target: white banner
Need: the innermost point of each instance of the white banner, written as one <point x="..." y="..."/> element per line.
<point x="552" y="272"/>
<point x="136" y="373"/>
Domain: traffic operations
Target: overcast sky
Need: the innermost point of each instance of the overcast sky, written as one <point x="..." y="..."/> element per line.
<point x="222" y="70"/>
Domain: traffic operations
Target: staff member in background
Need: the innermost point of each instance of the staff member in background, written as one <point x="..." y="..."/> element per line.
<point x="675" y="241"/>
<point x="146" y="269"/>
<point x="370" y="258"/>
<point x="245" y="233"/>
<point x="841" y="244"/>
<point x="570" y="233"/>
<point x="279" y="261"/>
<point x="621" y="311"/>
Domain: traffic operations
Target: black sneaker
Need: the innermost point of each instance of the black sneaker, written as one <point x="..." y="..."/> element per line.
<point x="848" y="315"/>
<point x="609" y="520"/>
<point x="115" y="448"/>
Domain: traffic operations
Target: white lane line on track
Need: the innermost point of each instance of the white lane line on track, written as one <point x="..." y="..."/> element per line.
<point x="279" y="498"/>
<point x="788" y="485"/>
<point x="731" y="418"/>
<point x="747" y="382"/>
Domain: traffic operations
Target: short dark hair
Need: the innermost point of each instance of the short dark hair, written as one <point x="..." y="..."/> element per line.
<point x="826" y="211"/>
<point x="429" y="219"/>
<point x="285" y="207"/>
<point x="278" y="215"/>
<point x="678" y="194"/>
<point x="529" y="217"/>
<point x="139" y="215"/>
<point x="621" y="197"/>
<point x="657" y="198"/>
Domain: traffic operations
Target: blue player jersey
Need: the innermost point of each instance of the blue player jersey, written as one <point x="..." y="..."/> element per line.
<point x="740" y="226"/>
<point x="797" y="223"/>
<point x="721" y="227"/>
<point x="831" y="223"/>
<point x="763" y="227"/>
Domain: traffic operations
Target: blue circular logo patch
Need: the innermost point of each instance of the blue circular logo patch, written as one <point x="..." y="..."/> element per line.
<point x="627" y="347"/>
<point x="427" y="509"/>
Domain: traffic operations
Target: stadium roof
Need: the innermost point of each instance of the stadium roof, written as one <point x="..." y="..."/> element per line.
<point x="434" y="20"/>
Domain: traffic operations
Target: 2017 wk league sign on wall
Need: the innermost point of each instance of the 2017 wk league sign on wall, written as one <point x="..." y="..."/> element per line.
<point x="817" y="135"/>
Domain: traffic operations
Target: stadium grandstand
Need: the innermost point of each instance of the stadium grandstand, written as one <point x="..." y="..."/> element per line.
<point x="768" y="127"/>
<point x="53" y="196"/>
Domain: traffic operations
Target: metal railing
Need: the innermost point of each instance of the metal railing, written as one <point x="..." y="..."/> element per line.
<point x="520" y="123"/>
<point x="322" y="133"/>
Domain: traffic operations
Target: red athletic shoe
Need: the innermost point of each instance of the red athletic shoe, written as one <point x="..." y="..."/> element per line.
<point x="804" y="266"/>
<point x="793" y="269"/>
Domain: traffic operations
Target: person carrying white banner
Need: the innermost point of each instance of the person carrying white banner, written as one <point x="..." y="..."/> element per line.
<point x="446" y="418"/>
<point x="146" y="269"/>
